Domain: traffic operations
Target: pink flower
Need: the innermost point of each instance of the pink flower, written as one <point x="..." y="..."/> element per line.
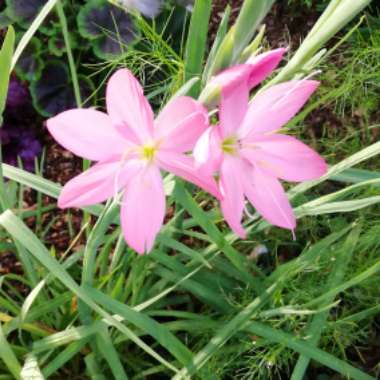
<point x="130" y="148"/>
<point x="235" y="81"/>
<point x="248" y="151"/>
<point x="250" y="74"/>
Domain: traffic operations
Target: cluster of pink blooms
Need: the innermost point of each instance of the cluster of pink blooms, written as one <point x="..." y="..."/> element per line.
<point x="245" y="151"/>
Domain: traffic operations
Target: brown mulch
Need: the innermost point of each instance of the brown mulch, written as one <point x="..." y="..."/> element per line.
<point x="61" y="166"/>
<point x="217" y="14"/>
<point x="9" y="264"/>
<point x="286" y="25"/>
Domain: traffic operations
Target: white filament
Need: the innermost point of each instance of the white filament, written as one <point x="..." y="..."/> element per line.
<point x="116" y="195"/>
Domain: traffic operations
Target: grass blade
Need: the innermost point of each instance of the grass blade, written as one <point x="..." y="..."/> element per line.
<point x="356" y="176"/>
<point x="346" y="285"/>
<point x="66" y="37"/>
<point x="5" y="63"/>
<point x="46" y="9"/>
<point x="30" y="299"/>
<point x="145" y="323"/>
<point x="319" y="321"/>
<point x="40" y="184"/>
<point x="349" y="162"/>
<point x="334" y="207"/>
<point x="239" y="261"/>
<point x="221" y="33"/>
<point x="8" y="357"/>
<point x="230" y="329"/>
<point x="196" y="42"/>
<point x="63" y="357"/>
<point x="289" y="340"/>
<point x="6" y="53"/>
<point x="25" y="236"/>
<point x="109" y="352"/>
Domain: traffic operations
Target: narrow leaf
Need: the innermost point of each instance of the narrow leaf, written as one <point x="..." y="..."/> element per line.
<point x="5" y="67"/>
<point x="289" y="340"/>
<point x="196" y="42"/>
<point x="315" y="329"/>
<point x="8" y="356"/>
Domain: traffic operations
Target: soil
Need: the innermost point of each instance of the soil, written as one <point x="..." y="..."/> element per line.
<point x="287" y="25"/>
<point x="61" y="166"/>
<point x="9" y="264"/>
<point x="217" y="14"/>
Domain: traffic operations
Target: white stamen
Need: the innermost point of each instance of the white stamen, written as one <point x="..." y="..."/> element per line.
<point x="116" y="195"/>
<point x="122" y="163"/>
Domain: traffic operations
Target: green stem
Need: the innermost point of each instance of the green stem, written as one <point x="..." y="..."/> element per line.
<point x="72" y="66"/>
<point x="70" y="57"/>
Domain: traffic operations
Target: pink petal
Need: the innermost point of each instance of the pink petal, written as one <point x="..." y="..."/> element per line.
<point x="269" y="198"/>
<point x="201" y="151"/>
<point x="273" y="108"/>
<point x="253" y="71"/>
<point x="184" y="166"/>
<point x="143" y="209"/>
<point x="233" y="84"/>
<point x="239" y="81"/>
<point x="233" y="107"/>
<point x="97" y="184"/>
<point x="228" y="79"/>
<point x="231" y="183"/>
<point x="87" y="133"/>
<point x="130" y="111"/>
<point x="207" y="153"/>
<point x="263" y="65"/>
<point x="286" y="157"/>
<point x="180" y="124"/>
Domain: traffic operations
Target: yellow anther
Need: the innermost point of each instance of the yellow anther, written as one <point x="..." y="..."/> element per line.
<point x="148" y="152"/>
<point x="230" y="145"/>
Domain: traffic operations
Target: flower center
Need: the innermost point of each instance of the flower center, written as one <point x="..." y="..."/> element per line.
<point x="230" y="145"/>
<point x="148" y="152"/>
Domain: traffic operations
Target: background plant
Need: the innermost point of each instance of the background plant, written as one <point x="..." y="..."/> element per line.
<point x="106" y="32"/>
